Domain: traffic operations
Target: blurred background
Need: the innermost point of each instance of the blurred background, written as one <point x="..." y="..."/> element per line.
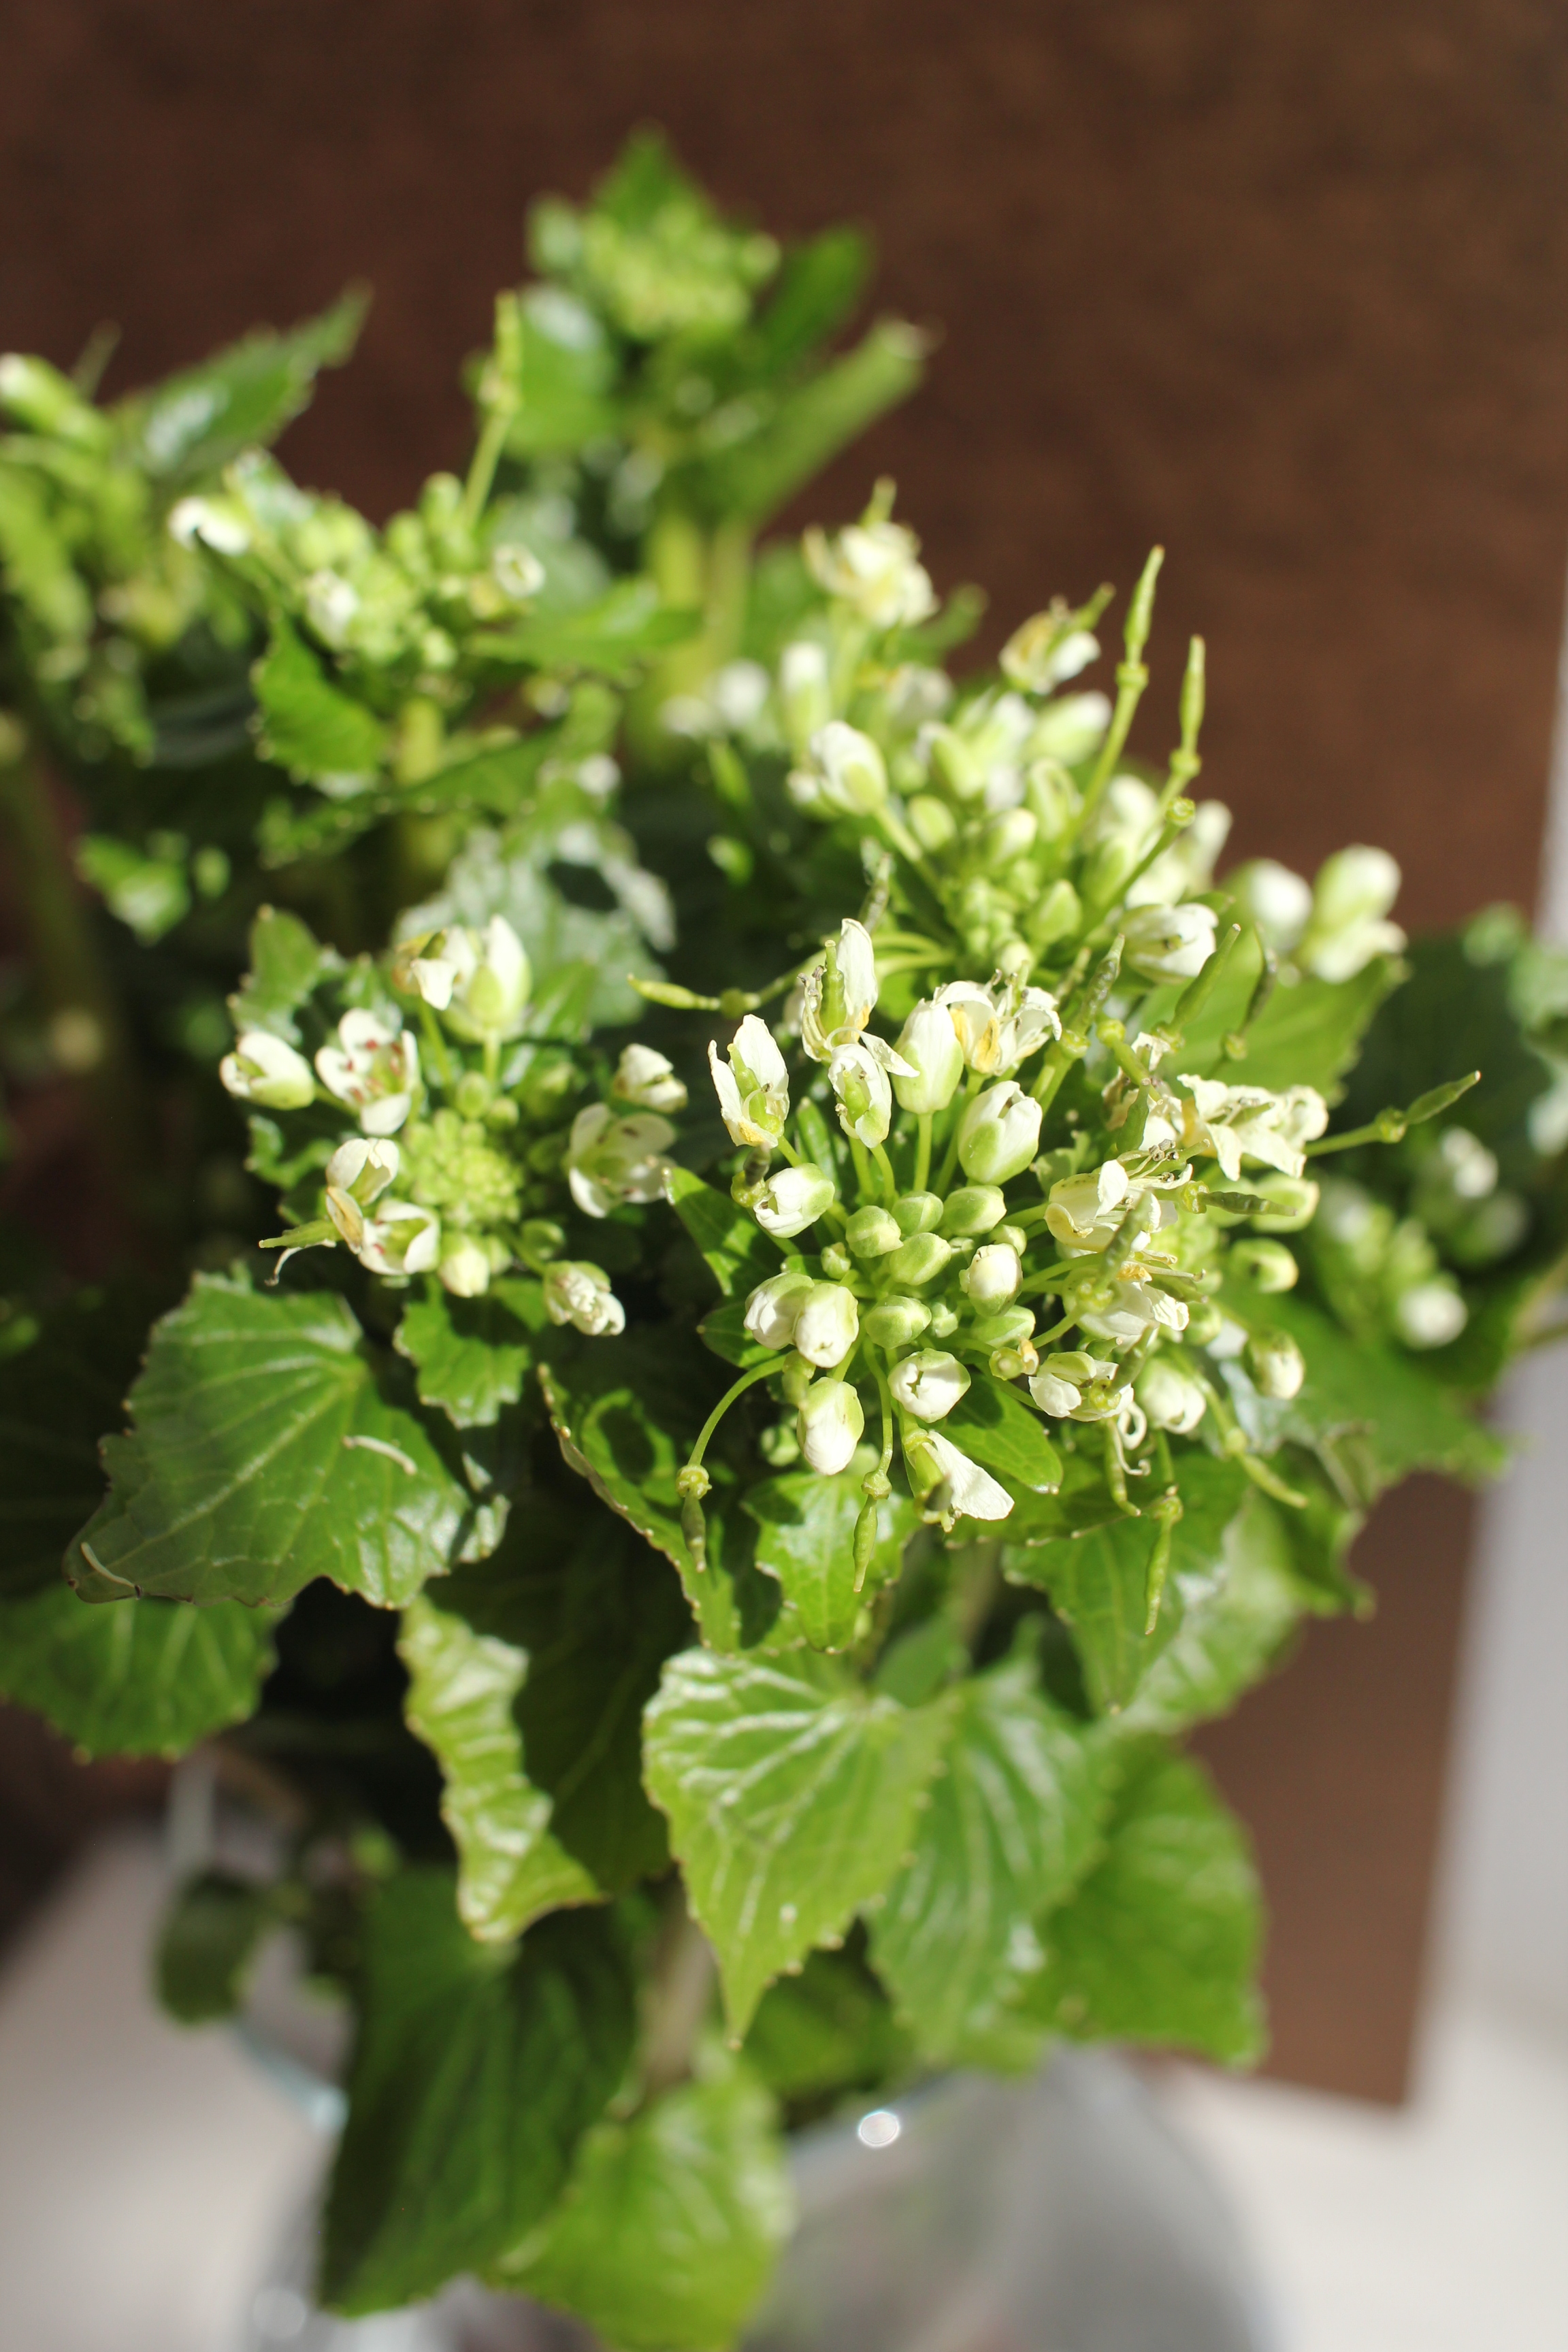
<point x="1279" y="283"/>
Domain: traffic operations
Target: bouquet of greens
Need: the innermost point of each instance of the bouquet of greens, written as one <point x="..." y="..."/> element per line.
<point x="711" y="1535"/>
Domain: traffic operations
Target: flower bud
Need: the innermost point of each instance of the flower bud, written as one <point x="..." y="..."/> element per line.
<point x="1267" y="1266"/>
<point x="647" y="1080"/>
<point x="1430" y="1314"/>
<point x="1169" y="942"/>
<point x="827" y="1324"/>
<point x="837" y="1266"/>
<point x="999" y="1134"/>
<point x="1008" y="837"/>
<point x="752" y="1087"/>
<point x="1008" y="1327"/>
<point x="1170" y="1396"/>
<point x="897" y="1319"/>
<point x="465" y="1271"/>
<point x="611" y="1159"/>
<point x="872" y="1232"/>
<point x="804" y="692"/>
<point x="373" y="1067"/>
<point x="1206" y="1321"/>
<point x="480" y="980"/>
<point x="793" y="1200"/>
<point x="580" y="1294"/>
<point x="1070" y="728"/>
<point x="773" y="1306"/>
<point x="1350" y="900"/>
<point x="917" y="1212"/>
<point x="972" y="1209"/>
<point x="841" y="775"/>
<point x="993" y="1276"/>
<point x="1276" y="1364"/>
<point x="830" y="1425"/>
<point x="1293" y="1202"/>
<point x="265" y="1069"/>
<point x="1016" y="1363"/>
<point x="872" y="566"/>
<point x="1278" y="901"/>
<point x="919" y="1260"/>
<point x="1046" y="650"/>
<point x="539" y="1240"/>
<point x="929" y="1385"/>
<point x="933" y="822"/>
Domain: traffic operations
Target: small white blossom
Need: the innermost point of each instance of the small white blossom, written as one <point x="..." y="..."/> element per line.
<point x="774" y="1309"/>
<point x="859" y="1076"/>
<point x="611" y="1160"/>
<point x="1278" y="901"/>
<point x="1169" y="942"/>
<point x="1134" y="1308"/>
<point x="1170" y="1396"/>
<point x="1083" y="1211"/>
<point x="874" y="568"/>
<point x="998" y="1028"/>
<point x="999" y="1134"/>
<point x="266" y="1069"/>
<point x="929" y="1385"/>
<point x="1074" y="1386"/>
<point x="933" y="1053"/>
<point x="827" y="1324"/>
<point x="580" y="1294"/>
<point x="830" y="1422"/>
<point x="1350" y="900"/>
<point x="373" y="1067"/>
<point x="1276" y="1364"/>
<point x="1430" y="1314"/>
<point x="465" y="1270"/>
<point x="804" y="691"/>
<point x="993" y="1276"/>
<point x="480" y="980"/>
<point x="836" y="1005"/>
<point x="362" y="1170"/>
<point x="398" y="1238"/>
<point x="842" y="774"/>
<point x="957" y="1488"/>
<point x="1236" y="1123"/>
<point x="752" y="1087"/>
<point x="648" y="1081"/>
<point x="793" y="1198"/>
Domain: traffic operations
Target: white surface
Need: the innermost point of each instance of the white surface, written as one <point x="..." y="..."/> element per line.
<point x="1440" y="2227"/>
<point x="145" y="2171"/>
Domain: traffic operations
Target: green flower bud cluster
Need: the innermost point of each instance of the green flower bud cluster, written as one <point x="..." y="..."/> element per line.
<point x="474" y="1157"/>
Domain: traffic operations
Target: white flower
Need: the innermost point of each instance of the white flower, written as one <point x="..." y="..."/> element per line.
<point x="842" y="774"/>
<point x="839" y="994"/>
<point x="956" y="1486"/>
<point x="611" y="1160"/>
<point x="754" y="1086"/>
<point x="1083" y="1211"/>
<point x="647" y="1080"/>
<point x="999" y="1135"/>
<point x="873" y="567"/>
<point x="1350" y="900"/>
<point x="1171" y="1397"/>
<point x="859" y="1076"/>
<point x="793" y="1200"/>
<point x="362" y="1170"/>
<point x="265" y="1069"/>
<point x="480" y="980"/>
<point x="827" y="1324"/>
<point x="465" y="1270"/>
<point x="929" y="1385"/>
<point x="933" y="1053"/>
<point x="804" y="691"/>
<point x="373" y="1067"/>
<point x="993" y="1276"/>
<point x="1169" y="942"/>
<point x="1430" y="1314"/>
<point x="1278" y="901"/>
<point x="1046" y="651"/>
<point x="580" y="1294"/>
<point x="1068" y="730"/>
<point x="1188" y="864"/>
<point x="1133" y="1309"/>
<point x="398" y="1238"/>
<point x="773" y="1306"/>
<point x="1235" y="1123"/>
<point x="1000" y="1026"/>
<point x="1073" y="1386"/>
<point x="830" y="1422"/>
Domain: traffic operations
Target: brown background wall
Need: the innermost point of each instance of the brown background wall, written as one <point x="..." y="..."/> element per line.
<point x="1279" y="282"/>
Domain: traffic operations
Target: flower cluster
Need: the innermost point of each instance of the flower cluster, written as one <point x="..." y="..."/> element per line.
<point x="465" y="1156"/>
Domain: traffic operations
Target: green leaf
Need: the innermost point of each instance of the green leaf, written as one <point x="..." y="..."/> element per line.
<point x="596" y="1614"/>
<point x="1160" y="1943"/>
<point x="472" y="1356"/>
<point x="994" y="1426"/>
<point x="287" y="964"/>
<point x="38" y="569"/>
<point x="206" y="1944"/>
<point x="478" y="2070"/>
<point x="148" y="894"/>
<point x="1228" y="1642"/>
<point x="806" y="1539"/>
<point x="830" y="2029"/>
<point x="817" y="288"/>
<point x="1374" y="1406"/>
<point x="136" y="1678"/>
<point x="671" y="2224"/>
<point x="612" y="636"/>
<point x="566" y="373"/>
<point x="461" y="1687"/>
<point x="308" y="725"/>
<point x="1098" y="1582"/>
<point x="58" y="1395"/>
<point x="1307" y="1033"/>
<point x="729" y="1236"/>
<point x="627" y="1411"/>
<point x="269" y="1447"/>
<point x="1012" y="1822"/>
<point x="758" y="475"/>
<point x="195" y="423"/>
<point x="791" y="1793"/>
<point x="724" y="1330"/>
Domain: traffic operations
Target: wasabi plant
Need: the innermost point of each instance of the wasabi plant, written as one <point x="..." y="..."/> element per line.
<point x="709" y="1540"/>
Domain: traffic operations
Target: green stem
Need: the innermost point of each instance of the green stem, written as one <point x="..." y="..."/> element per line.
<point x="482" y="468"/>
<point x="885" y="1169"/>
<point x="922" y="1151"/>
<point x="736" y="1389"/>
